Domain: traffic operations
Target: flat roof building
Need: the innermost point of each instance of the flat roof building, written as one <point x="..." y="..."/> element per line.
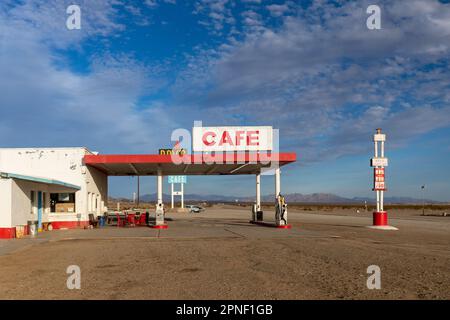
<point x="49" y="185"/>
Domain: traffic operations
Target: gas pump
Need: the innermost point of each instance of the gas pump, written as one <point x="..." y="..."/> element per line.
<point x="159" y="217"/>
<point x="280" y="211"/>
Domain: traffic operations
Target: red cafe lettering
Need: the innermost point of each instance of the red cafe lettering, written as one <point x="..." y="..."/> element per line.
<point x="231" y="138"/>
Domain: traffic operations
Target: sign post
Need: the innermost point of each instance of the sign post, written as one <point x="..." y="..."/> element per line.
<point x="379" y="162"/>
<point x="177" y="180"/>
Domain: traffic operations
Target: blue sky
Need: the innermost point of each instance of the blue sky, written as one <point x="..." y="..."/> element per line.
<point x="139" y="69"/>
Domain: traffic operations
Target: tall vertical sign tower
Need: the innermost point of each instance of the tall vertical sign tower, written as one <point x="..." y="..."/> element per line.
<point x="379" y="162"/>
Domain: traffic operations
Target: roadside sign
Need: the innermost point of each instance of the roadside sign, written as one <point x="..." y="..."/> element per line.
<point x="379" y="162"/>
<point x="177" y="179"/>
<point x="171" y="152"/>
<point x="379" y="179"/>
<point x="379" y="137"/>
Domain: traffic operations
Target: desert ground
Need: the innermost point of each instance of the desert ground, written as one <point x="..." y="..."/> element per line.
<point x="217" y="254"/>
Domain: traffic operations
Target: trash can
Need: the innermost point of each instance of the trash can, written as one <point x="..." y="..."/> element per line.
<point x="33" y="228"/>
<point x="101" y="221"/>
<point x="20" y="231"/>
<point x="259" y="216"/>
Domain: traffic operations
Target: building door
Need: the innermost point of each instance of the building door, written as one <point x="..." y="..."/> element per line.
<point x="53" y="201"/>
<point x="39" y="194"/>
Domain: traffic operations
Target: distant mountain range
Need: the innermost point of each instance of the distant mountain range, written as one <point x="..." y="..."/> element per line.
<point x="292" y="197"/>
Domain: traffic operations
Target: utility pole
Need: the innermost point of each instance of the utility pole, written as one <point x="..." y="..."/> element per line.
<point x="423" y="200"/>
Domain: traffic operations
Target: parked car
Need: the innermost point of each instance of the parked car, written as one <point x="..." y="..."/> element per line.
<point x="194" y="208"/>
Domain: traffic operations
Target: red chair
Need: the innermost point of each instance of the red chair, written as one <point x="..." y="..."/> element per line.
<point x="142" y="219"/>
<point x="120" y="222"/>
<point x="131" y="219"/>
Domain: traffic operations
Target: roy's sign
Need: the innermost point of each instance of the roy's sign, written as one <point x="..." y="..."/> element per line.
<point x="206" y="139"/>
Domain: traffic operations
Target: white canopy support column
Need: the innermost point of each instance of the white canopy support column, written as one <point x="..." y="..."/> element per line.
<point x="159" y="187"/>
<point x="258" y="192"/>
<point x="159" y="214"/>
<point x="257" y="214"/>
<point x="277" y="183"/>
<point x="182" y="196"/>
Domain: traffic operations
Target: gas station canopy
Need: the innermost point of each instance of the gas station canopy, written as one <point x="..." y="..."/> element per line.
<point x="193" y="164"/>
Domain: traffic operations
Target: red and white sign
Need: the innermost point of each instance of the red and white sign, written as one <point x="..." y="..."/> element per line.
<point x="378" y="179"/>
<point x="379" y="162"/>
<point x="232" y="139"/>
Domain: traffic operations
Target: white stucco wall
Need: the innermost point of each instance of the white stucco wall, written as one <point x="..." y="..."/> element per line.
<point x="58" y="163"/>
<point x="97" y="185"/>
<point x="5" y="203"/>
<point x="21" y="202"/>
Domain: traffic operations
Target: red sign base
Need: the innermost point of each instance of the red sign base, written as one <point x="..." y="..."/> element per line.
<point x="380" y="218"/>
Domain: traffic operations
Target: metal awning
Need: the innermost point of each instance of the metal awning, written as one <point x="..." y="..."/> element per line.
<point x="194" y="164"/>
<point x="6" y="175"/>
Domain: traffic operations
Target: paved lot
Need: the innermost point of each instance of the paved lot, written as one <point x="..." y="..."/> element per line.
<point x="219" y="255"/>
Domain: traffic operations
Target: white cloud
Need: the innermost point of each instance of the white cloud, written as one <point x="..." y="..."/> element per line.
<point x="151" y="3"/>
<point x="327" y="81"/>
<point x="59" y="107"/>
<point x="155" y="3"/>
<point x="218" y="12"/>
<point x="277" y="10"/>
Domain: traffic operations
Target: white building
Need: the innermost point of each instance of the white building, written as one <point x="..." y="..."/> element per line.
<point x="49" y="185"/>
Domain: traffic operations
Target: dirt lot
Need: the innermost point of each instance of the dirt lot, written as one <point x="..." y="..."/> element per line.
<point x="219" y="255"/>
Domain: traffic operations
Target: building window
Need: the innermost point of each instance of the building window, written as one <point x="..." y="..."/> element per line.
<point x="66" y="197"/>
<point x="62" y="202"/>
